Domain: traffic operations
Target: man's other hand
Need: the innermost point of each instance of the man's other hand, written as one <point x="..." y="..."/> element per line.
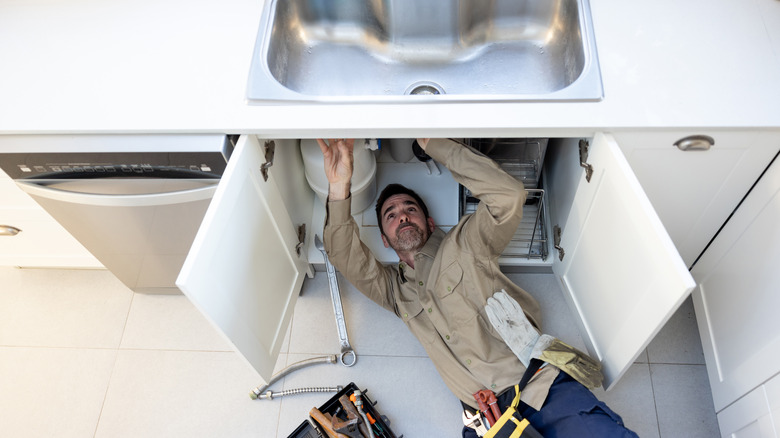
<point x="339" y="161"/>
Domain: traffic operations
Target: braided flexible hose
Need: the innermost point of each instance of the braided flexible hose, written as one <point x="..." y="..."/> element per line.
<point x="270" y="395"/>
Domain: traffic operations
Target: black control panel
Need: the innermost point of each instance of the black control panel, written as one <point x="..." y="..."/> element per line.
<point x="82" y="165"/>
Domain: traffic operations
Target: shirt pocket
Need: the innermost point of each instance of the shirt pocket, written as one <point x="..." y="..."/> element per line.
<point x="411" y="312"/>
<point x="450" y="281"/>
<point x="452" y="292"/>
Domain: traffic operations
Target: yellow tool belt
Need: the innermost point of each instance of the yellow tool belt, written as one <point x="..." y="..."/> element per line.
<point x="511" y="424"/>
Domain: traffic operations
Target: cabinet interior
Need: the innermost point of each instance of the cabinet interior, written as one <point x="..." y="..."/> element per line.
<point x="528" y="159"/>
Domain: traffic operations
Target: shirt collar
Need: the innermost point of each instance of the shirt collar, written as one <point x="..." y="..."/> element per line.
<point x="429" y="250"/>
<point x="431" y="247"/>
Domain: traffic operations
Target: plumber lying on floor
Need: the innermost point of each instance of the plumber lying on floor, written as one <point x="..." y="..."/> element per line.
<point x="480" y="330"/>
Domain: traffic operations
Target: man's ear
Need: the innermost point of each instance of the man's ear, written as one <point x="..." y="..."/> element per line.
<point x="384" y="240"/>
<point x="431" y="225"/>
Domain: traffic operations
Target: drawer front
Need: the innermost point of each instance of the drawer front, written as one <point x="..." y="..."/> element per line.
<point x="12" y="195"/>
<point x="42" y="242"/>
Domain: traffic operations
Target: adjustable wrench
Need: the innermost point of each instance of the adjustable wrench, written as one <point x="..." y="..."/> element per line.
<point x="474" y="422"/>
<point x="335" y="295"/>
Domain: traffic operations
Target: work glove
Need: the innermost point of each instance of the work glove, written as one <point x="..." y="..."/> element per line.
<point x="509" y="320"/>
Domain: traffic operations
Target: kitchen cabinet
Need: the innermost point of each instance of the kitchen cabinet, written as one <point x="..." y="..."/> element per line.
<point x="695" y="191"/>
<point x="736" y="300"/>
<point x="246" y="265"/>
<point x="756" y="415"/>
<point x="41" y="241"/>
<point x="621" y="274"/>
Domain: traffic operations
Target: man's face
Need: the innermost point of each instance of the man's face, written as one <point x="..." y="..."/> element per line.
<point x="404" y="224"/>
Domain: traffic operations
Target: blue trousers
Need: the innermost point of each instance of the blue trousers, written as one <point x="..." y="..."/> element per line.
<point x="570" y="410"/>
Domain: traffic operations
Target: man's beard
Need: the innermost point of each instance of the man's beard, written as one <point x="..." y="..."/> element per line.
<point x="409" y="238"/>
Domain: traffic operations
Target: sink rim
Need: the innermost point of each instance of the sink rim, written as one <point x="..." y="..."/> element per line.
<point x="263" y="87"/>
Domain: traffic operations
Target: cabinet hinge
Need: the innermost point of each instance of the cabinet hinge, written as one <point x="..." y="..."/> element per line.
<point x="557" y="241"/>
<point x="270" y="146"/>
<point x="584" y="146"/>
<point x="301" y="238"/>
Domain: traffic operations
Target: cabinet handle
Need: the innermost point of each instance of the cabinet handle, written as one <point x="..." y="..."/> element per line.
<point x="8" y="230"/>
<point x="695" y="143"/>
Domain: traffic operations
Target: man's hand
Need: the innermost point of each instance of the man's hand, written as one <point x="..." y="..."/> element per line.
<point x="339" y="161"/>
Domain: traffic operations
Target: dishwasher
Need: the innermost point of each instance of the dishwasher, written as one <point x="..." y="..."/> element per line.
<point x="134" y="201"/>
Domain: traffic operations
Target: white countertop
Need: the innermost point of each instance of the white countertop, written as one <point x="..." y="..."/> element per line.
<point x="182" y="66"/>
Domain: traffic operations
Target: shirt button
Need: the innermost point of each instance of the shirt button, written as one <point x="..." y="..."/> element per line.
<point x="449" y="288"/>
<point x="448" y="337"/>
<point x="468" y="361"/>
<point x="406" y="315"/>
<point x="493" y="386"/>
<point x="430" y="310"/>
<point x="421" y="283"/>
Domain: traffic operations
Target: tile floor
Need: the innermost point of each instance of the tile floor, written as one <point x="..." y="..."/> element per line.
<point x="82" y="356"/>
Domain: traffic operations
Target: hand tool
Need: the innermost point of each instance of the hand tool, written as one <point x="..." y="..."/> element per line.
<point x="483" y="407"/>
<point x="325" y="423"/>
<point x="353" y="412"/>
<point x="487" y="399"/>
<point x="474" y="422"/>
<point x="348" y="427"/>
<point x="335" y="295"/>
<point x="375" y="425"/>
<point x="493" y="403"/>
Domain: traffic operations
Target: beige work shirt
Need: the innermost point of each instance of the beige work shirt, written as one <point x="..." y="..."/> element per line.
<point x="442" y="300"/>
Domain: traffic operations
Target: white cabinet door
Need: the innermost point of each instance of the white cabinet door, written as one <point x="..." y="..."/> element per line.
<point x="754" y="415"/>
<point x="695" y="191"/>
<point x="243" y="271"/>
<point x="772" y="389"/>
<point x="737" y="300"/>
<point x="620" y="272"/>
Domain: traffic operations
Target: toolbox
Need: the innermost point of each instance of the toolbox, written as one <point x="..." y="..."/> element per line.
<point x="333" y="407"/>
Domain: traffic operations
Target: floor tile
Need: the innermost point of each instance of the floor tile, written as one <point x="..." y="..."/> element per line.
<point x="684" y="401"/>
<point x="50" y="392"/>
<point x="170" y="322"/>
<point x="371" y="329"/>
<point x="63" y="308"/>
<point x="632" y="399"/>
<point x="678" y="341"/>
<point x="182" y="393"/>
<point x="174" y="375"/>
<point x="408" y="390"/>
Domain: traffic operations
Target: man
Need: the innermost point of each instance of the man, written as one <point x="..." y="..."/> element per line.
<point x="443" y="282"/>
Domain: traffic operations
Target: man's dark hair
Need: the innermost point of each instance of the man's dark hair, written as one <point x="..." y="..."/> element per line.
<point x="396" y="189"/>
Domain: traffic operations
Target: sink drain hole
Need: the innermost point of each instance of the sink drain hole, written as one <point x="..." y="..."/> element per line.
<point x="424" y="89"/>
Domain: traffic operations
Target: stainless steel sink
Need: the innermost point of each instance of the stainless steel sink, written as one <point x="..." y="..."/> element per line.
<point x="382" y="51"/>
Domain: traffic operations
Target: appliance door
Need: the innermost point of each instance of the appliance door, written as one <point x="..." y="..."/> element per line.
<point x="140" y="229"/>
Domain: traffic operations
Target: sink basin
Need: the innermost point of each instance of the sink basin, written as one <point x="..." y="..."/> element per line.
<point x="383" y="51"/>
